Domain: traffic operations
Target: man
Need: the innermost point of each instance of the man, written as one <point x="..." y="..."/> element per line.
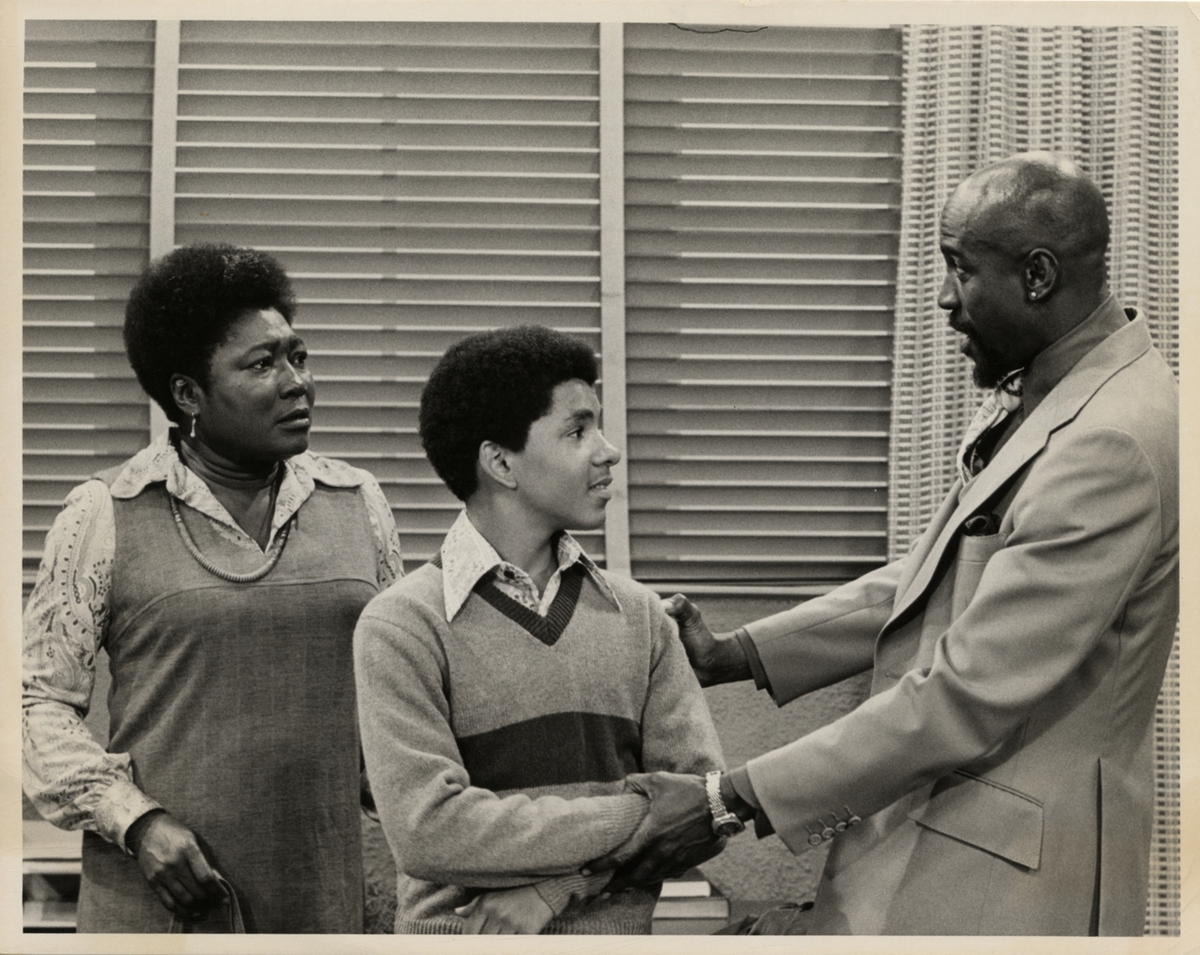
<point x="998" y="779"/>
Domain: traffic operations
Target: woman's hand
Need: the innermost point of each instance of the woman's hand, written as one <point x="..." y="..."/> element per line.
<point x="172" y="862"/>
<point x="519" y="911"/>
<point x="715" y="658"/>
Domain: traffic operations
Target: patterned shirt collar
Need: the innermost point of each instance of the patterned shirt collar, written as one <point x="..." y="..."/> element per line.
<point x="160" y="462"/>
<point x="467" y="557"/>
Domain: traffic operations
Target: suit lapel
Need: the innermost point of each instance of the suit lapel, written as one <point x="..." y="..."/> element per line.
<point x="1060" y="406"/>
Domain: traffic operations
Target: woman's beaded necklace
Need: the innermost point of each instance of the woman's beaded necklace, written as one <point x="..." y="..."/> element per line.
<point x="247" y="578"/>
<point x="199" y="467"/>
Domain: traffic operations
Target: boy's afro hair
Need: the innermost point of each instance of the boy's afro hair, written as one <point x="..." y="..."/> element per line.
<point x="492" y="387"/>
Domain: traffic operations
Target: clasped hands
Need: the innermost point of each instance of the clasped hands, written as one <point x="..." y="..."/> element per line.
<point x="675" y="835"/>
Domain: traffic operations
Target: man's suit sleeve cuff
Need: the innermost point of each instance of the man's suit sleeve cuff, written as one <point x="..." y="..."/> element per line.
<point x="754" y="660"/>
<point x="739" y="779"/>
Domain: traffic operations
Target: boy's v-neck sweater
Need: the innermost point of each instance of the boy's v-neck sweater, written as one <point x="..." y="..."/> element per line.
<point x="497" y="743"/>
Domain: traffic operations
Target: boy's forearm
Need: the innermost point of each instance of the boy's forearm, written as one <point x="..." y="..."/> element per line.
<point x="559" y="893"/>
<point x="478" y="840"/>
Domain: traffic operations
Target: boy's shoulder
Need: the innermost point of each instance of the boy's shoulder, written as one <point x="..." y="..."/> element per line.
<point x="628" y="591"/>
<point x="420" y="588"/>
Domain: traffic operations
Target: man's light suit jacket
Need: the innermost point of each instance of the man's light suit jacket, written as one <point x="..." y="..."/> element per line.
<point x="1002" y="765"/>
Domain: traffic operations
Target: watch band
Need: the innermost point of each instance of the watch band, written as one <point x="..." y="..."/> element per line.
<point x="724" y="822"/>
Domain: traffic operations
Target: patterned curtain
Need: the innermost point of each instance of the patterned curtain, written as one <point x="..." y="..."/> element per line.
<point x="1105" y="97"/>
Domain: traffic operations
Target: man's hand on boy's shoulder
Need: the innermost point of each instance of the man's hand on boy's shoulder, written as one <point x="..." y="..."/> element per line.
<point x="715" y="657"/>
<point x="675" y="835"/>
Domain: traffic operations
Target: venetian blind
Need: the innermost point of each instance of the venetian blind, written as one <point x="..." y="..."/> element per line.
<point x="762" y="194"/>
<point x="87" y="112"/>
<point x="419" y="181"/>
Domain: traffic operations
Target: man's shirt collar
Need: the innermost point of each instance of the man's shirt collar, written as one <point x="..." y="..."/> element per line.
<point x="1052" y="363"/>
<point x="467" y="557"/>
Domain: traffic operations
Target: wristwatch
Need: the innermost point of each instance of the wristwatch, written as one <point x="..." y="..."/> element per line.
<point x="724" y="822"/>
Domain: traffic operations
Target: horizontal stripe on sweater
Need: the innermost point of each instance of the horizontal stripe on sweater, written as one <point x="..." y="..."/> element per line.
<point x="553" y="750"/>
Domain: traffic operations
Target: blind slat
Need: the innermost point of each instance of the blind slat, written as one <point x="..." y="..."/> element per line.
<point x="345" y="36"/>
<point x="445" y="161"/>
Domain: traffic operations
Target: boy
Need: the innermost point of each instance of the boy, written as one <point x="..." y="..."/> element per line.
<point x="507" y="688"/>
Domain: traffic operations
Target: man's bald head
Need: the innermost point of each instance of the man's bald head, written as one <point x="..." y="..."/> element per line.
<point x="1037" y="200"/>
<point x="1024" y="243"/>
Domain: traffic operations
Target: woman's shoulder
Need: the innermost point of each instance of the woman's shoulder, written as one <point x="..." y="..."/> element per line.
<point x="91" y="499"/>
<point x="332" y="472"/>
<point x="150" y="465"/>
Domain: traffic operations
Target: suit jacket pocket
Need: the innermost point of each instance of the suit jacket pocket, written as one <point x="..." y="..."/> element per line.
<point x="973" y="555"/>
<point x="984" y="814"/>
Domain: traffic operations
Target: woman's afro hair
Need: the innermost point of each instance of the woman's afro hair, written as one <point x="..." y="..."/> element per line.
<point x="184" y="304"/>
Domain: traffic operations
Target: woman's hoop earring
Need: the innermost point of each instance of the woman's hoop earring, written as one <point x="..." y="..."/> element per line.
<point x="194" y="417"/>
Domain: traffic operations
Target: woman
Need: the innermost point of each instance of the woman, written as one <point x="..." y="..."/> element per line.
<point x="222" y="568"/>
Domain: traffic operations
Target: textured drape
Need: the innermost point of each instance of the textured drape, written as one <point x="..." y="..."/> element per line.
<point x="1105" y="97"/>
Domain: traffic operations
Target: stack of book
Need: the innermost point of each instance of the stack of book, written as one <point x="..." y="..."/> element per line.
<point x="690" y="905"/>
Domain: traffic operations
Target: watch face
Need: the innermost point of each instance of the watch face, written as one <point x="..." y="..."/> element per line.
<point x="729" y="825"/>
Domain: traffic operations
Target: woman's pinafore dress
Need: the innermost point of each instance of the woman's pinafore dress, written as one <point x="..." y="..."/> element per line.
<point x="236" y="703"/>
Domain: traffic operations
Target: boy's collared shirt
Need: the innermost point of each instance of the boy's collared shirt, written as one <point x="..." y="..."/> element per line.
<point x="467" y="557"/>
